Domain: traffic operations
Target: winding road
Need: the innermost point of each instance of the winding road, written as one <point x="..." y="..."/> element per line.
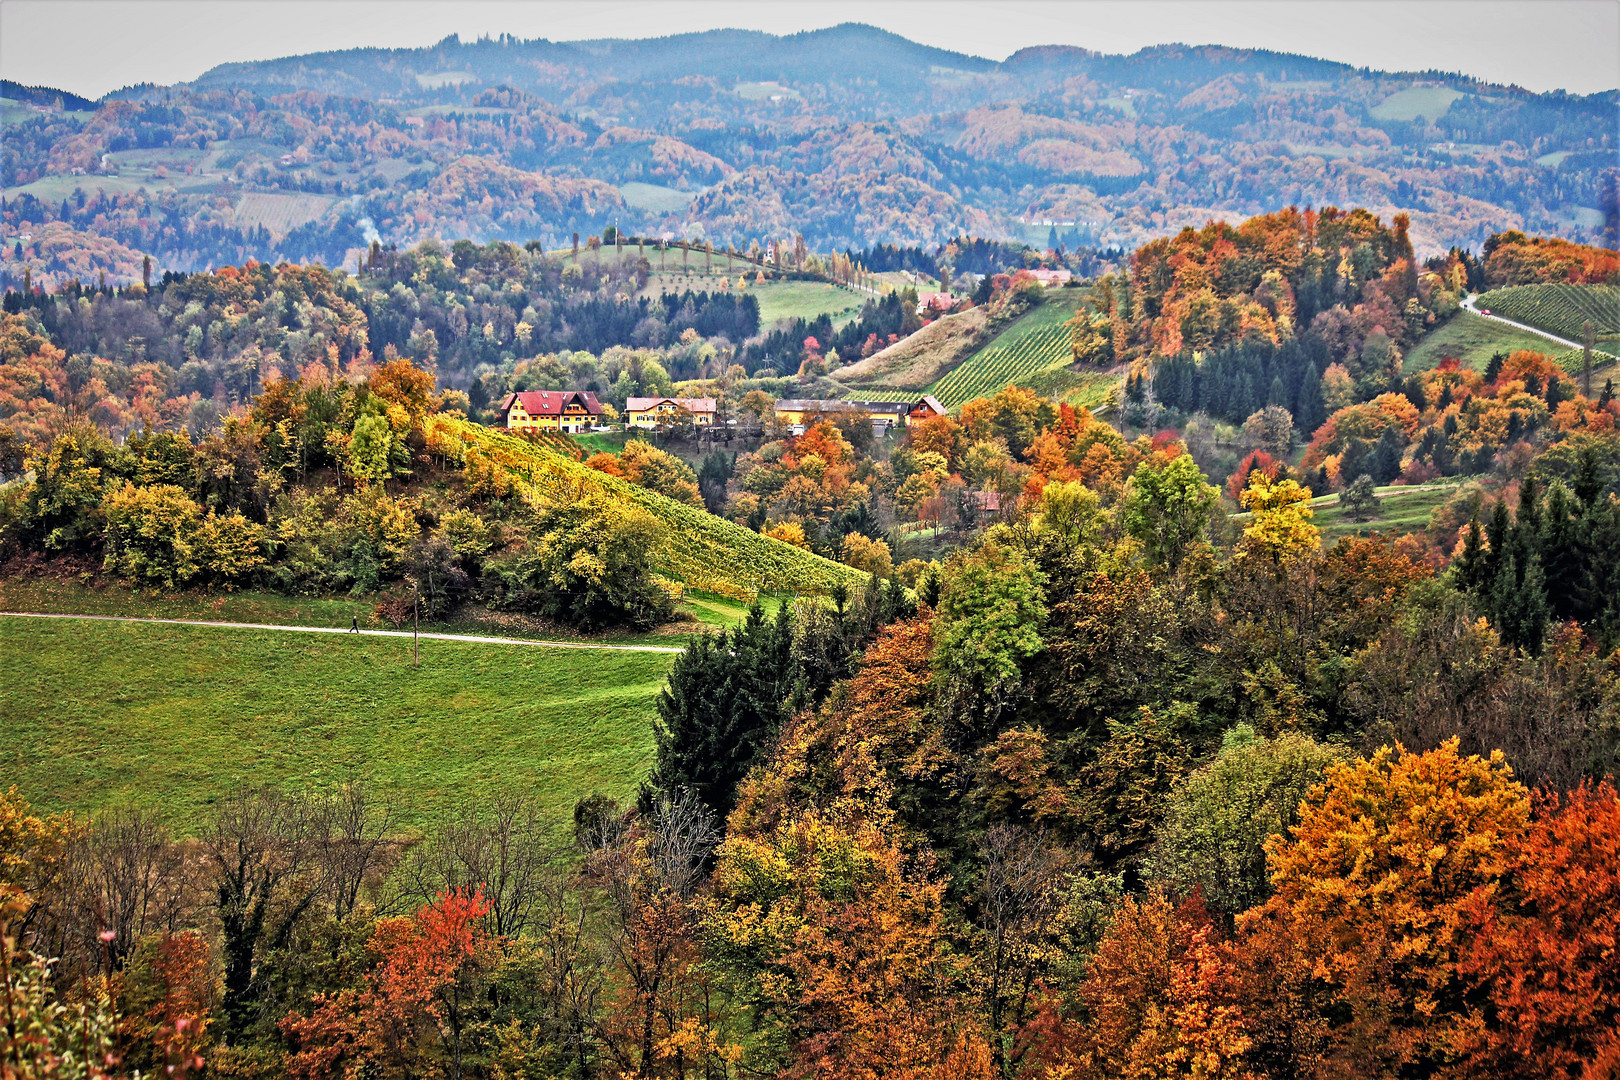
<point x="1468" y="306"/>
<point x="470" y="639"/>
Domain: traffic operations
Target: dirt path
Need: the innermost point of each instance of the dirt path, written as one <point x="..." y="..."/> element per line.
<point x="466" y="638"/>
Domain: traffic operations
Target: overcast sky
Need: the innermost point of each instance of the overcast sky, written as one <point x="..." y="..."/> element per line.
<point x="93" y="46"/>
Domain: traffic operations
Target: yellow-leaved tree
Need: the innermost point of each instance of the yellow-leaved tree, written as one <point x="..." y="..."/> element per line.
<point x="1280" y="527"/>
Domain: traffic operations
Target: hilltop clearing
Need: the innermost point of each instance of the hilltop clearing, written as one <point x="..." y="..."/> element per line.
<point x="917" y="361"/>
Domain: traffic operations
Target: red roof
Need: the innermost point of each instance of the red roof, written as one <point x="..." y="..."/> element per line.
<point x="551" y="402"/>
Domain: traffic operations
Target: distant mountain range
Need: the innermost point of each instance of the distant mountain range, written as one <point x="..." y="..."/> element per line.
<point x="851" y="136"/>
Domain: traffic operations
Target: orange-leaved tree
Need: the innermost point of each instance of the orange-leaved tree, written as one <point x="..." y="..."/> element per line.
<point x="839" y="932"/>
<point x="1355" y="957"/>
<point x="1159" y="1000"/>
<point x="413" y="1010"/>
<point x="1546" y="949"/>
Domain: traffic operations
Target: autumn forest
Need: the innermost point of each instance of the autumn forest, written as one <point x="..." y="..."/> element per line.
<point x="472" y="626"/>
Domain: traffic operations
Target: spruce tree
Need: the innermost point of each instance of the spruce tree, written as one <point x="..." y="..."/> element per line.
<point x="726" y="699"/>
<point x="1493" y="370"/>
<point x="1386" y="457"/>
<point x="1471" y="565"/>
<point x="1497" y="531"/>
<point x="1519" y="603"/>
<point x="1563" y="556"/>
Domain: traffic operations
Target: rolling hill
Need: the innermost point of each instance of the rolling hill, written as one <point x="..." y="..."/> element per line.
<point x="850" y="136"/>
<point x="706" y="553"/>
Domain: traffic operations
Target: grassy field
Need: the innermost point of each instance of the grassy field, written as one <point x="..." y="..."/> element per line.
<point x="806" y="300"/>
<point x="655" y="198"/>
<point x="1429" y="102"/>
<point x="677" y="270"/>
<point x="1472" y="339"/>
<point x="71" y="597"/>
<point x="173" y="717"/>
<point x="1031" y="350"/>
<point x="763" y="91"/>
<point x="1400" y="510"/>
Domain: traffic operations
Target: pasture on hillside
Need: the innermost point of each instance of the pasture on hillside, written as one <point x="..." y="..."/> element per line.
<point x="1400" y="510"/>
<point x="1428" y="102"/>
<point x="655" y="198"/>
<point x="174" y="717"/>
<point x="677" y="269"/>
<point x="1471" y="339"/>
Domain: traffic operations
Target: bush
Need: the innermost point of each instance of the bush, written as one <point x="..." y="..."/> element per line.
<point x="151" y="534"/>
<point x="590" y="564"/>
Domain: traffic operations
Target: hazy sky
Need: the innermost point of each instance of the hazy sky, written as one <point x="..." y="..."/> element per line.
<point x="93" y="46"/>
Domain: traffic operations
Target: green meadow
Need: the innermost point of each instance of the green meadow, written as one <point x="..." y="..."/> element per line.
<point x="1472" y="339"/>
<point x="101" y="714"/>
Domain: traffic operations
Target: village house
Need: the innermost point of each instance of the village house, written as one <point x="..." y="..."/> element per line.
<point x="649" y="412"/>
<point x="885" y="414"/>
<point x="556" y="410"/>
<point x="934" y="303"/>
<point x="1052" y="277"/>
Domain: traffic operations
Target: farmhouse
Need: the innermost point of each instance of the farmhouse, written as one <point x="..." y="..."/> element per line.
<point x="563" y="410"/>
<point x="884" y="414"/>
<point x="935" y="302"/>
<point x="1051" y="277"/>
<point x="647" y="412"/>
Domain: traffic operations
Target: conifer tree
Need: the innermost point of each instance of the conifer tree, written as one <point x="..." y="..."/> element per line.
<point x="1519" y="602"/>
<point x="724" y="703"/>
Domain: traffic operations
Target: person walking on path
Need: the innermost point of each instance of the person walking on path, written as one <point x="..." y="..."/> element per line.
<point x="354" y="624"/>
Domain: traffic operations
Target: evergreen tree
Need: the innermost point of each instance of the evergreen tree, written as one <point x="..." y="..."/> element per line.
<point x="1519" y="602"/>
<point x="1311" y="412"/>
<point x="1386" y="457"/>
<point x="1564" y="557"/>
<point x="1356" y="459"/>
<point x="726" y="699"/>
<point x="1493" y="370"/>
<point x="1278" y="394"/>
<point x="1472" y="566"/>
<point x="1496" y="535"/>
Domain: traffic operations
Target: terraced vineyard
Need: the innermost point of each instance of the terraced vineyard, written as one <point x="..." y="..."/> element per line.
<point x="1034" y="352"/>
<point x="1560" y="309"/>
<point x="990" y="369"/>
<point x="1574" y="360"/>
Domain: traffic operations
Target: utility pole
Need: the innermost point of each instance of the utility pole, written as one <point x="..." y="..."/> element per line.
<point x="1587" y="337"/>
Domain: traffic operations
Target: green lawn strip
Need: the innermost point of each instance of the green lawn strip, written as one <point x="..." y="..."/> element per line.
<point x="1401" y="509"/>
<point x="107" y="714"/>
<point x="69" y="597"/>
<point x="1472" y="339"/>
